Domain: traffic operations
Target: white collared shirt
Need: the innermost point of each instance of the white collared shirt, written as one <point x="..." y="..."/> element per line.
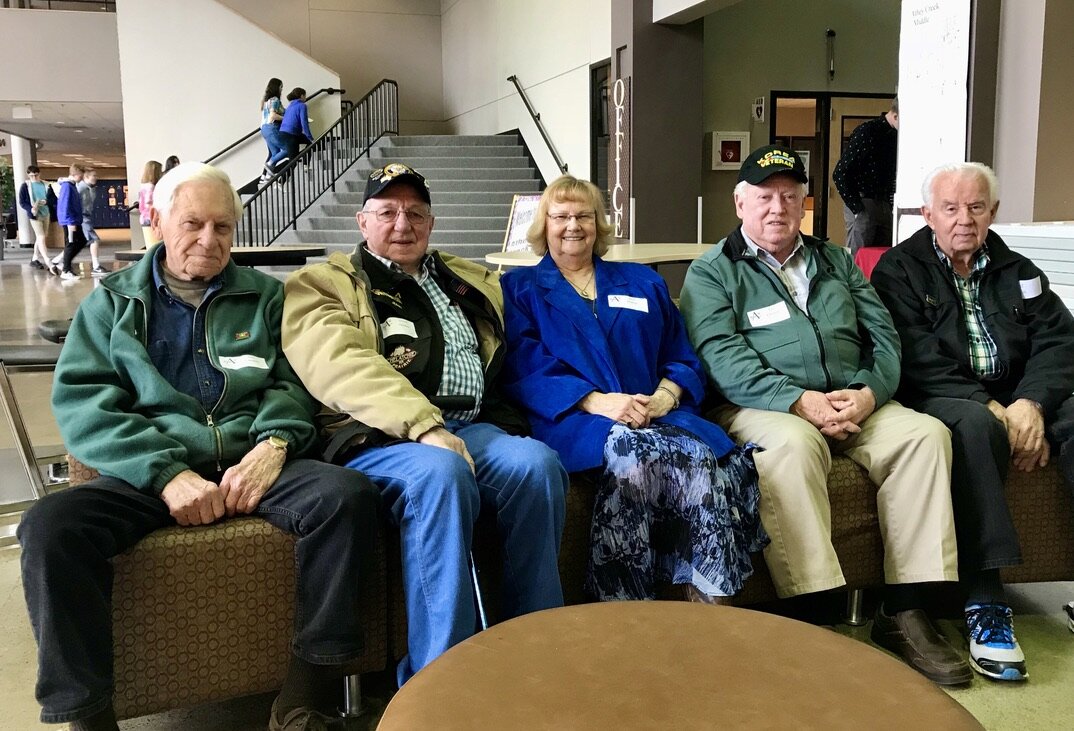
<point x="793" y="272"/>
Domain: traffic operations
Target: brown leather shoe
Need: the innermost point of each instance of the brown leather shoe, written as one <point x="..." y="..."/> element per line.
<point x="912" y="636"/>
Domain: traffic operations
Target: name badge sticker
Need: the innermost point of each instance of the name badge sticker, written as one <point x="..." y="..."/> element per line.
<point x="769" y="315"/>
<point x="397" y="326"/>
<point x="234" y="363"/>
<point x="1030" y="288"/>
<point x="639" y="304"/>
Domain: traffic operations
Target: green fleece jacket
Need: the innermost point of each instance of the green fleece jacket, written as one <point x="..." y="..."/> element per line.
<point x="761" y="351"/>
<point x="117" y="414"/>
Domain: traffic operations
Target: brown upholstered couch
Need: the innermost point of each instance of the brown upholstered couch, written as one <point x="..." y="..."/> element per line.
<point x="204" y="614"/>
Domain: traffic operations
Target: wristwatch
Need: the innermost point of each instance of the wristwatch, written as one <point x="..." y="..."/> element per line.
<point x="278" y="443"/>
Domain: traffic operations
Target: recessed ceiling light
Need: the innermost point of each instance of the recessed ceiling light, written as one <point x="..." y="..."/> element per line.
<point x="80" y="131"/>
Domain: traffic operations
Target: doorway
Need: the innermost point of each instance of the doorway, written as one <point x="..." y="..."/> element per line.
<point x="817" y="124"/>
<point x="600" y="136"/>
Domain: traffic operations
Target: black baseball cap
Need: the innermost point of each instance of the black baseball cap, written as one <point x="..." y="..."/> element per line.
<point x="764" y="162"/>
<point x="396" y="172"/>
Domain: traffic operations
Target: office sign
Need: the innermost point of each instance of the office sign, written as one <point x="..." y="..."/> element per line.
<point x="619" y="160"/>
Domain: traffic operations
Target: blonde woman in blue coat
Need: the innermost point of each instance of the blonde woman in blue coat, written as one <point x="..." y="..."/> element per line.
<point x="599" y="358"/>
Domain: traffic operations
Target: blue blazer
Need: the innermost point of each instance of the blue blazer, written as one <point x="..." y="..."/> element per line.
<point x="558" y="352"/>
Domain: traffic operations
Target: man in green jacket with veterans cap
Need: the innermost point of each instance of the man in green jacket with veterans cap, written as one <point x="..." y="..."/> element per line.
<point x="173" y="384"/>
<point x="799" y="344"/>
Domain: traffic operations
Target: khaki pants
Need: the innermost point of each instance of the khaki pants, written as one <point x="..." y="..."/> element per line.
<point x="907" y="455"/>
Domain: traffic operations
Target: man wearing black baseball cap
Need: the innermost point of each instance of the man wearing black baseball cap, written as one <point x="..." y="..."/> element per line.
<point x="807" y="357"/>
<point x="403" y="345"/>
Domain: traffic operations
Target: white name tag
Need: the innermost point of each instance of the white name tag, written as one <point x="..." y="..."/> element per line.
<point x="769" y="315"/>
<point x="631" y="303"/>
<point x="1030" y="288"/>
<point x="397" y="326"/>
<point x="234" y="363"/>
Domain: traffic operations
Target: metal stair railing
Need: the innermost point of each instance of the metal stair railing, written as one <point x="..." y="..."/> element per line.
<point x="346" y="103"/>
<point x="294" y="188"/>
<point x="537" y="120"/>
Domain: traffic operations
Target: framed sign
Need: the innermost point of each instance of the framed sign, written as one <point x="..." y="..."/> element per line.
<point x="729" y="149"/>
<point x="523" y="208"/>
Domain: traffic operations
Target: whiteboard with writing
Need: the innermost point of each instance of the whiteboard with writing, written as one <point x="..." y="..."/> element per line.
<point x="934" y="65"/>
<point x="523" y="208"/>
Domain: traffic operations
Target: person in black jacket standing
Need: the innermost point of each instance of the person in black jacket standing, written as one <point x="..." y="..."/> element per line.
<point x="988" y="349"/>
<point x="865" y="179"/>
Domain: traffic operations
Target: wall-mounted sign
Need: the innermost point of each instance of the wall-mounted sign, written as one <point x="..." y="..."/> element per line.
<point x="619" y="163"/>
<point x="758" y="110"/>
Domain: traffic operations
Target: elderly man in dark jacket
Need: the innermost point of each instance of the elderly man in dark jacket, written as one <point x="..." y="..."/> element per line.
<point x="988" y="349"/>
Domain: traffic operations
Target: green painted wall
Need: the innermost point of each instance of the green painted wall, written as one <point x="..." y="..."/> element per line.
<point x="756" y="46"/>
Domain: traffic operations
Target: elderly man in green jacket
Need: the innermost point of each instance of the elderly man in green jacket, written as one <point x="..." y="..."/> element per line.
<point x="173" y="385"/>
<point x="797" y="341"/>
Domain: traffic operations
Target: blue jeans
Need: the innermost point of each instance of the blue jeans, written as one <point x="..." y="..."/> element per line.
<point x="69" y="537"/>
<point x="276" y="149"/>
<point x="434" y="498"/>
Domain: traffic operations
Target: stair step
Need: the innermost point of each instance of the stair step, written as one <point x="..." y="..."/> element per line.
<point x="449" y="140"/>
<point x="350" y="198"/>
<point x="442" y="210"/>
<point x="469" y="185"/>
<point x="465" y="151"/>
<point x="446" y="223"/>
<point x="428" y="166"/>
<point x="352" y="237"/>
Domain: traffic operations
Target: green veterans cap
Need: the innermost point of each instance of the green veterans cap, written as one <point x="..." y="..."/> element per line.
<point x="764" y="162"/>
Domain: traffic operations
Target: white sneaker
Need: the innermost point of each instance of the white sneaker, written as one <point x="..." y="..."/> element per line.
<point x="69" y="276"/>
<point x="1069" y="609"/>
<point x="994" y="650"/>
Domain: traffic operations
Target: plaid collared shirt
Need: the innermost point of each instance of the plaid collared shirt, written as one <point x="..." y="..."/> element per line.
<point x="794" y="272"/>
<point x="984" y="357"/>
<point x="463" y="374"/>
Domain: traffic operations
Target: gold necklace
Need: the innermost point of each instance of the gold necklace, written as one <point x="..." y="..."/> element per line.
<point x="583" y="290"/>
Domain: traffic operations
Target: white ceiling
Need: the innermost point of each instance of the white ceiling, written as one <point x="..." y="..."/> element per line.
<point x="70" y="131"/>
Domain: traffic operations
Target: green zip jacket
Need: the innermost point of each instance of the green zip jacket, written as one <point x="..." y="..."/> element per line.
<point x="762" y="352"/>
<point x="117" y="414"/>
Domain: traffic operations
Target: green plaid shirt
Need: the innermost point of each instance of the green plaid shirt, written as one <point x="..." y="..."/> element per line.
<point x="982" y="348"/>
<point x="463" y="373"/>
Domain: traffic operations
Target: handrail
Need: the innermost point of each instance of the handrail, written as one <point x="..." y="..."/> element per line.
<point x="257" y="130"/>
<point x="295" y="187"/>
<point x="328" y="89"/>
<point x="540" y="125"/>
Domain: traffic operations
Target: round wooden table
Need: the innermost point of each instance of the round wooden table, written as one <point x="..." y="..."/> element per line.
<point x="667" y="665"/>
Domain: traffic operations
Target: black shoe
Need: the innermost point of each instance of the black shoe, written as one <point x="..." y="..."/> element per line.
<point x="912" y="636"/>
<point x="35" y="264"/>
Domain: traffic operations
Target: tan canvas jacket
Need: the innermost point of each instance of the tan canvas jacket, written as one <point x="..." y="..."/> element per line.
<point x="331" y="336"/>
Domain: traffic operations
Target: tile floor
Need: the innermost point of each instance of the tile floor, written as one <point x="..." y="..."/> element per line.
<point x="27" y="297"/>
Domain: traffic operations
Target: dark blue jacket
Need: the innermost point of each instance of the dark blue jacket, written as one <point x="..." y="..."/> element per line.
<point x="558" y="352"/>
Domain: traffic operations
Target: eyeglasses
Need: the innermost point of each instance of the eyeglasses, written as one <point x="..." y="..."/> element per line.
<point x="390" y="215"/>
<point x="583" y="219"/>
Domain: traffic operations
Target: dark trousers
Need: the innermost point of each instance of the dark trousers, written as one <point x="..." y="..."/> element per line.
<point x="986" y="535"/>
<point x="69" y="537"/>
<point x="73" y="243"/>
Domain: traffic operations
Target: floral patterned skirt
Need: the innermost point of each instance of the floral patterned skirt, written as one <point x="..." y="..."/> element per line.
<point x="668" y="510"/>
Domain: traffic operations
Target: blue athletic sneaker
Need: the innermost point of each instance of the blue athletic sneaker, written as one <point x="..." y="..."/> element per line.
<point x="994" y="650"/>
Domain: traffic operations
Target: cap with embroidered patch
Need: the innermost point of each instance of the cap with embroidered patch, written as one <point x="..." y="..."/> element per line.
<point x="396" y="172"/>
<point x="764" y="162"/>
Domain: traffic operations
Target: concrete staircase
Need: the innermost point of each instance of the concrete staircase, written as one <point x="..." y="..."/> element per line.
<point x="472" y="180"/>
